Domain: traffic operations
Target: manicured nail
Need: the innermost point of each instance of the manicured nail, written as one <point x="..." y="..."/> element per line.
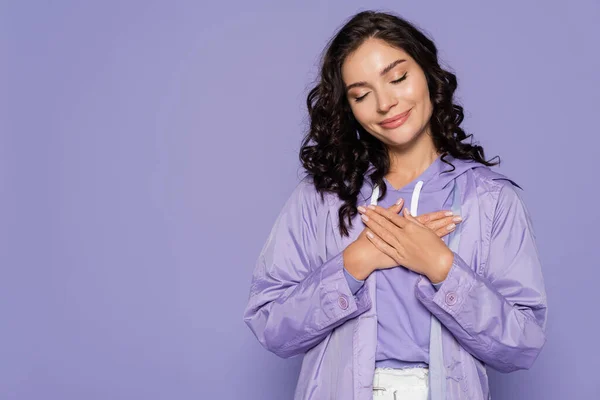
<point x="449" y="214"/>
<point x="457" y="219"/>
<point x="364" y="217"/>
<point x="370" y="235"/>
<point x="361" y="209"/>
<point x="451" y="227"/>
<point x="400" y="201"/>
<point x="372" y="207"/>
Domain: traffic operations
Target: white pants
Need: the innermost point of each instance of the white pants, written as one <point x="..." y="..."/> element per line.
<point x="401" y="384"/>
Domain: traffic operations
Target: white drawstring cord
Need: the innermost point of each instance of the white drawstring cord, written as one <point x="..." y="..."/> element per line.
<point x="414" y="203"/>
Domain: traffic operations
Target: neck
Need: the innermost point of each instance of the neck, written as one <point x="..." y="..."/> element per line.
<point x="407" y="163"/>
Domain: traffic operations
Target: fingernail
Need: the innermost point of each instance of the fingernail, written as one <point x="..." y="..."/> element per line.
<point x="364" y="217"/>
<point x="451" y="227"/>
<point x="361" y="209"/>
<point x="449" y="214"/>
<point x="457" y="219"/>
<point x="372" y="207"/>
<point x="400" y="201"/>
<point x="370" y="235"/>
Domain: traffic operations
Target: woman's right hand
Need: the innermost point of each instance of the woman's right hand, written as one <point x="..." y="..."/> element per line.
<point x="361" y="257"/>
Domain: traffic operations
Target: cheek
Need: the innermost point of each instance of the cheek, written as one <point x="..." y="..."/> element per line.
<point x="412" y="92"/>
<point x="422" y="91"/>
<point x="418" y="94"/>
<point x="361" y="113"/>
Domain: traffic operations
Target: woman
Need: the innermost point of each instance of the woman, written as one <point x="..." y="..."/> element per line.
<point x="382" y="307"/>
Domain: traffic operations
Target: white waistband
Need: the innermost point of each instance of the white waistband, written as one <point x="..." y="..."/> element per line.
<point x="416" y="371"/>
<point x="410" y="383"/>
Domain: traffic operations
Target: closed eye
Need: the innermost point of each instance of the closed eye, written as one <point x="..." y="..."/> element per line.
<point x="403" y="77"/>
<point x="395" y="82"/>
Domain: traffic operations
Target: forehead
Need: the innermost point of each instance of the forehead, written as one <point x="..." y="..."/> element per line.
<point x="370" y="58"/>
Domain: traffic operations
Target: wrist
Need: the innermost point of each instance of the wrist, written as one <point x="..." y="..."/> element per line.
<point x="354" y="267"/>
<point x="443" y="267"/>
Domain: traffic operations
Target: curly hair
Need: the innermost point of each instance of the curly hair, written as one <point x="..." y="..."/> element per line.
<point x="337" y="150"/>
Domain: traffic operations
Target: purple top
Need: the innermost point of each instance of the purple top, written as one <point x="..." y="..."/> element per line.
<point x="403" y="323"/>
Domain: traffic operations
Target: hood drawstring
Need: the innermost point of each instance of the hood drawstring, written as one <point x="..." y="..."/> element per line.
<point x="414" y="202"/>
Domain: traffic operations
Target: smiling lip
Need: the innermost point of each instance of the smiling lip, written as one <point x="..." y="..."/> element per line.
<point x="396" y="121"/>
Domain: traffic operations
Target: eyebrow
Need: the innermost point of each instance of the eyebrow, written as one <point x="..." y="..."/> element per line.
<point x="382" y="73"/>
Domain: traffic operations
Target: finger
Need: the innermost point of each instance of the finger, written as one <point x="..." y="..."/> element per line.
<point x="410" y="218"/>
<point x="386" y="223"/>
<point x="445" y="230"/>
<point x="395" y="208"/>
<point x="381" y="227"/>
<point x="441" y="223"/>
<point x="394" y="218"/>
<point x="434" y="216"/>
<point x="383" y="246"/>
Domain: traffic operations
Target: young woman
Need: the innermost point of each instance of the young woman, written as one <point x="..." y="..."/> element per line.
<point x="389" y="306"/>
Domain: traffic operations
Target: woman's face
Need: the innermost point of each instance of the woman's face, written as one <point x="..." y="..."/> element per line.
<point x="387" y="92"/>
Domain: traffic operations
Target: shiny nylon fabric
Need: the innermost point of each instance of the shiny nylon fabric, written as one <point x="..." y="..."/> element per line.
<point x="492" y="305"/>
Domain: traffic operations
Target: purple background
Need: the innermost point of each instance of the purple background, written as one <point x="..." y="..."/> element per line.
<point x="147" y="147"/>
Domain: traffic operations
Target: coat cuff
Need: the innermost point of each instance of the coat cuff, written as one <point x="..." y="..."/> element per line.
<point x="340" y="301"/>
<point x="451" y="293"/>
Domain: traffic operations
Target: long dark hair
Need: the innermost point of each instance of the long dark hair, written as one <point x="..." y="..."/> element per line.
<point x="332" y="152"/>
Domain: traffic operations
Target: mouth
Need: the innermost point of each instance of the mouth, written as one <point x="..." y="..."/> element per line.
<point x="396" y="120"/>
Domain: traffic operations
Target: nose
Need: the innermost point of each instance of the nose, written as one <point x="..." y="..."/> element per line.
<point x="385" y="101"/>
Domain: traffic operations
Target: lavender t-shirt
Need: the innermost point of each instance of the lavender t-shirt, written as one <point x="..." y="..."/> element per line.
<point x="403" y="323"/>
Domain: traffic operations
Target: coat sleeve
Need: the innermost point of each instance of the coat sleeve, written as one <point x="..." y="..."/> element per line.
<point x="296" y="298"/>
<point x="499" y="316"/>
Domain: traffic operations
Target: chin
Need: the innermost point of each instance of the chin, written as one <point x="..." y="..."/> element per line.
<point x="399" y="137"/>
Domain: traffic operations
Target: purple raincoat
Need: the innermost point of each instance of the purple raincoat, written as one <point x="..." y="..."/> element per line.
<point x="490" y="310"/>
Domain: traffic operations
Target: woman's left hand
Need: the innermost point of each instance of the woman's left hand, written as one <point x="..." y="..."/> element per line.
<point x="410" y="243"/>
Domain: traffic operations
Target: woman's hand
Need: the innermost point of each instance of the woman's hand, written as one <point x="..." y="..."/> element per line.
<point x="408" y="242"/>
<point x="362" y="256"/>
